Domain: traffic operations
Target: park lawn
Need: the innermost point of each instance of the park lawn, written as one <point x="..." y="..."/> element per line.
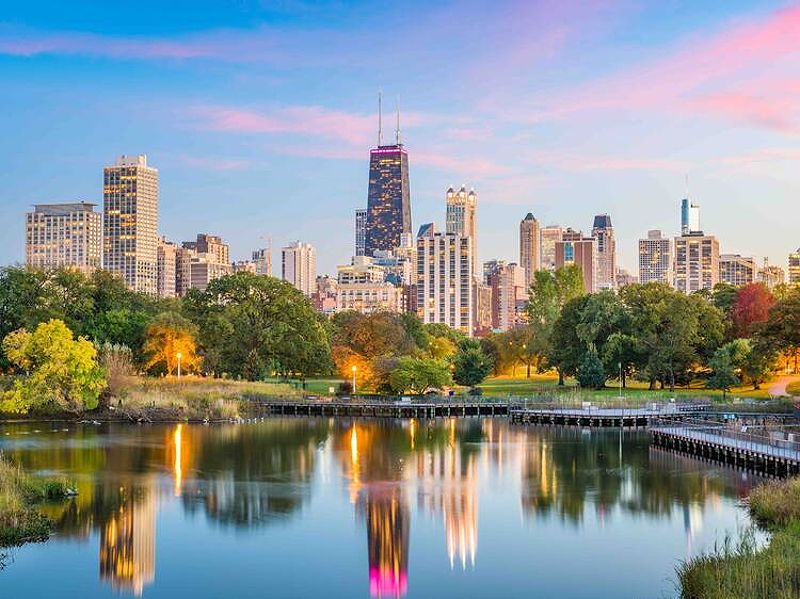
<point x="793" y="388"/>
<point x="505" y="385"/>
<point x="314" y="386"/>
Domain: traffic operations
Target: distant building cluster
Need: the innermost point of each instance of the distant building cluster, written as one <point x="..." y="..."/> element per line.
<point x="436" y="275"/>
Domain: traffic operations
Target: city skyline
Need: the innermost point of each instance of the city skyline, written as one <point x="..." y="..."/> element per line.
<point x="193" y="94"/>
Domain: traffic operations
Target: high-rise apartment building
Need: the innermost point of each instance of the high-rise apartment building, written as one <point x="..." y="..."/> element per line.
<point x="794" y="267"/>
<point x="690" y="217"/>
<point x="461" y="218"/>
<point x="299" y="266"/>
<point x="771" y="275"/>
<point x="507" y="282"/>
<point x="737" y="270"/>
<point x="603" y="232"/>
<point x="130" y="222"/>
<point x="361" y="231"/>
<point x="445" y="282"/>
<point x="696" y="262"/>
<point x="550" y="235"/>
<point x="388" y="197"/>
<point x="530" y="247"/>
<point x="262" y="258"/>
<point x="167" y="265"/>
<point x="64" y="235"/>
<point x="201" y="261"/>
<point x="583" y="253"/>
<point x="655" y="258"/>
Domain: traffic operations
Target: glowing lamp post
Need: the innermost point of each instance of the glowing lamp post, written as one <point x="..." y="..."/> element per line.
<point x="179" y="356"/>
<point x="354" y="378"/>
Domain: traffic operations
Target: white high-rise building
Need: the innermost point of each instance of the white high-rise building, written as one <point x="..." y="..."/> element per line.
<point x="550" y="236"/>
<point x="530" y="247"/>
<point x="696" y="262"/>
<point x="461" y="218"/>
<point x="299" y="266"/>
<point x="655" y="258"/>
<point x="262" y="259"/>
<point x="130" y="222"/>
<point x="737" y="270"/>
<point x="167" y="265"/>
<point x="445" y="281"/>
<point x="64" y="235"/>
<point x="603" y="232"/>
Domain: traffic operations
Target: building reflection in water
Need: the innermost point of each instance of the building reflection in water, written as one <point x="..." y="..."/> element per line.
<point x="128" y="542"/>
<point x="387" y="517"/>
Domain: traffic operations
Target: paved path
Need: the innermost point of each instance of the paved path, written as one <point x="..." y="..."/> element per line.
<point x="778" y="388"/>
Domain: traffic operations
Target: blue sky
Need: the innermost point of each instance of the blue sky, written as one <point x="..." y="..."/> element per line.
<point x="260" y="115"/>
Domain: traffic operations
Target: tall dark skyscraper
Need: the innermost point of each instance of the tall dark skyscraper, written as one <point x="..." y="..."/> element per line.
<point x="388" y="199"/>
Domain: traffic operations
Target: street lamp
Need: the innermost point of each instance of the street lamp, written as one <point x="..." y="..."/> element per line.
<point x="354" y="378"/>
<point x="179" y="355"/>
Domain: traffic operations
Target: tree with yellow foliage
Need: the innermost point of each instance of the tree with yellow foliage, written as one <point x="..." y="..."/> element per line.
<point x="171" y="335"/>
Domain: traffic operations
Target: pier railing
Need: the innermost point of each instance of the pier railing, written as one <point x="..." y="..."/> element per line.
<point x="763" y="439"/>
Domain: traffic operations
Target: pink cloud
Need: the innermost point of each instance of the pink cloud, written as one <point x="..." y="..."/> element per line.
<point x="690" y="78"/>
<point x="300" y="120"/>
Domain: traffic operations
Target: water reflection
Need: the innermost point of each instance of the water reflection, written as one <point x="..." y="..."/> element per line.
<point x="249" y="477"/>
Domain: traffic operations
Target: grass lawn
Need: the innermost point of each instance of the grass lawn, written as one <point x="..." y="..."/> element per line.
<point x="313" y="386"/>
<point x="793" y="388"/>
<point x="520" y="385"/>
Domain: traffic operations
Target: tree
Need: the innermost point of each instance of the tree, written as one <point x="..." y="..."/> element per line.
<point x="723" y="375"/>
<point x="781" y="331"/>
<point x="590" y="373"/>
<point x="548" y="294"/>
<point x="751" y="306"/>
<point x="418" y="375"/>
<point x="567" y="350"/>
<point x="246" y="319"/>
<point x="169" y="336"/>
<point x="470" y="364"/>
<point x="376" y="334"/>
<point x="60" y="372"/>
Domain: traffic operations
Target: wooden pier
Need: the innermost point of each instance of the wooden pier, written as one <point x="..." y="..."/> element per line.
<point x="603" y="417"/>
<point x="444" y="409"/>
<point x="772" y="453"/>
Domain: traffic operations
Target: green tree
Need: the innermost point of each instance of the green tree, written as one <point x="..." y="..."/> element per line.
<point x="245" y="313"/>
<point x="723" y="370"/>
<point x="590" y="372"/>
<point x="60" y="372"/>
<point x="470" y="364"/>
<point x="418" y="375"/>
<point x="548" y="294"/>
<point x="567" y="349"/>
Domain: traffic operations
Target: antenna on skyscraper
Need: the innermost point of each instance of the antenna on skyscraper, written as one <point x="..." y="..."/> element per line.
<point x="397" y="130"/>
<point x="380" y="119"/>
<point x="686" y="177"/>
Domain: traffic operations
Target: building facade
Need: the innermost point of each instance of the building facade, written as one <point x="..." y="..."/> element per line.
<point x="530" y="247"/>
<point x="603" y="232"/>
<point x="771" y="275"/>
<point x="461" y="218"/>
<point x="690" y="217"/>
<point x="167" y="267"/>
<point x="445" y="283"/>
<point x="696" y="262"/>
<point x="388" y="199"/>
<point x="361" y="232"/>
<point x="262" y="258"/>
<point x="550" y="235"/>
<point x="655" y="258"/>
<point x="64" y="235"/>
<point x="737" y="270"/>
<point x="201" y="261"/>
<point x="794" y="267"/>
<point x="583" y="253"/>
<point x="299" y="266"/>
<point x="507" y="283"/>
<point x="130" y="222"/>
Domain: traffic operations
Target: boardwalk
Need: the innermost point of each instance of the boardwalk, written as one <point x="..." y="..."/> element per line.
<point x="387" y="409"/>
<point x="599" y="417"/>
<point x="769" y="452"/>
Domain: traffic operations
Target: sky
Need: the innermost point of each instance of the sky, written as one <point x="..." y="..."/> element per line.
<point x="260" y="115"/>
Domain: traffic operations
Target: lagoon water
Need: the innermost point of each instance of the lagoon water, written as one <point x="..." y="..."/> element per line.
<point x="365" y="508"/>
